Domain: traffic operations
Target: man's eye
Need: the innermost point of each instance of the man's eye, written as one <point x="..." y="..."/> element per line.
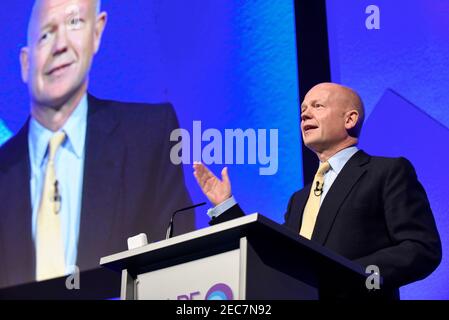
<point x="44" y="36"/>
<point x="75" y="22"/>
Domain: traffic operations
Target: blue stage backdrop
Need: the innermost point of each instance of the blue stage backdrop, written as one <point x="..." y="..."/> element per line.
<point x="400" y="71"/>
<point x="232" y="64"/>
<point x="228" y="64"/>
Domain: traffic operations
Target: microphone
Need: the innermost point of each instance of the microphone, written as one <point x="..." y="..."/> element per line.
<point x="318" y="191"/>
<point x="169" y="232"/>
<point x="57" y="198"/>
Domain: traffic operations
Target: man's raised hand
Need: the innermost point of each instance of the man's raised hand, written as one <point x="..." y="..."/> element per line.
<point x="216" y="190"/>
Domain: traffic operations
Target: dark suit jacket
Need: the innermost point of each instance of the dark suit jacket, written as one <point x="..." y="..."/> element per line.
<point x="130" y="186"/>
<point x="375" y="213"/>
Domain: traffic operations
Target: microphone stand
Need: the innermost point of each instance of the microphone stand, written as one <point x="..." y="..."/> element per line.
<point x="169" y="232"/>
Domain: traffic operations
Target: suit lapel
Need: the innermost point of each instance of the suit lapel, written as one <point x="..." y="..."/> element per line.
<point x="16" y="213"/>
<point x="338" y="192"/>
<point x="103" y="172"/>
<point x="297" y="208"/>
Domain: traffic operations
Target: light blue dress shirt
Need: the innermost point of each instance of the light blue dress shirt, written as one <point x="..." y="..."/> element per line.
<point x="337" y="162"/>
<point x="69" y="167"/>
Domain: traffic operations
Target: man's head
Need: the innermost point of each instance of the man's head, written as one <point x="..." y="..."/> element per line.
<point x="63" y="37"/>
<point x="331" y="117"/>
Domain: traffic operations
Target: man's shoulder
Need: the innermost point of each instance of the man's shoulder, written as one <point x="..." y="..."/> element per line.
<point x="127" y="109"/>
<point x="382" y="167"/>
<point x="389" y="162"/>
<point x="142" y="119"/>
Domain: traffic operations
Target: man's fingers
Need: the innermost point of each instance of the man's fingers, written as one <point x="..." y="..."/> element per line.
<point x="202" y="179"/>
<point x="208" y="184"/>
<point x="208" y="181"/>
<point x="205" y="178"/>
<point x="206" y="172"/>
<point x="225" y="176"/>
<point x="200" y="171"/>
<point x="200" y="175"/>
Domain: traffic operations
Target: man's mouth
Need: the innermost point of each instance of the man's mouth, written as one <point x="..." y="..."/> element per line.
<point x="58" y="70"/>
<point x="308" y="127"/>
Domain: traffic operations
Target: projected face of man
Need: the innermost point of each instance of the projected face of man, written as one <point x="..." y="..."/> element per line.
<point x="63" y="36"/>
<point x="329" y="113"/>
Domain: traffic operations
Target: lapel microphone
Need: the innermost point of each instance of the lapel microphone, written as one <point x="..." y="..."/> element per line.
<point x="169" y="232"/>
<point x="318" y="191"/>
<point x="57" y="197"/>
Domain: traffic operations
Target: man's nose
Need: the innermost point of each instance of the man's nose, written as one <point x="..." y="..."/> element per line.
<point x="61" y="42"/>
<point x="305" y="115"/>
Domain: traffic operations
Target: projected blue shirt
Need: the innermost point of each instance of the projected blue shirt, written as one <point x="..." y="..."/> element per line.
<point x="69" y="164"/>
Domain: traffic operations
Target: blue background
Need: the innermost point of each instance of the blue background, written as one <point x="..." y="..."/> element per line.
<point x="232" y="64"/>
<point x="401" y="73"/>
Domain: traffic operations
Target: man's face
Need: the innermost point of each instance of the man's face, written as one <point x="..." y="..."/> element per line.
<point x="63" y="37"/>
<point x="323" y="118"/>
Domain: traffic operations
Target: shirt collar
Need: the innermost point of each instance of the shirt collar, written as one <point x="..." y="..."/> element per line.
<point x="338" y="160"/>
<point x="38" y="137"/>
<point x="75" y="129"/>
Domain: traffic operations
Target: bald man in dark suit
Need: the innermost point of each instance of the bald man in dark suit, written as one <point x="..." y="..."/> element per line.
<point x="372" y="210"/>
<point x="65" y="205"/>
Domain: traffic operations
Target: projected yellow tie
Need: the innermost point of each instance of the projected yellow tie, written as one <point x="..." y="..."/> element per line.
<point x="50" y="261"/>
<point x="313" y="203"/>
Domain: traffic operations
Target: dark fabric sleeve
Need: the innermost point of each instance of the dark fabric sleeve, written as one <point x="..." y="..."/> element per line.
<point x="232" y="213"/>
<point x="411" y="227"/>
<point x="237" y="212"/>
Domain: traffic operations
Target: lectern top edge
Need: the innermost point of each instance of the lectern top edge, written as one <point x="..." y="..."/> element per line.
<point x="247" y="219"/>
<point x="223" y="230"/>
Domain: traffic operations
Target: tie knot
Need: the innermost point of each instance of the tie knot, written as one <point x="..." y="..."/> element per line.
<point x="55" y="142"/>
<point x="323" y="168"/>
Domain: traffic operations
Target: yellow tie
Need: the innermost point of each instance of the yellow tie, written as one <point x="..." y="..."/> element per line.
<point x="50" y="262"/>
<point x="313" y="203"/>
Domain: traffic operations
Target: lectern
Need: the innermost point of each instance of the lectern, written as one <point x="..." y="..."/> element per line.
<point x="250" y="257"/>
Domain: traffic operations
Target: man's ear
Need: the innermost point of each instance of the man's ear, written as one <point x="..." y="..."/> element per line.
<point x="100" y="25"/>
<point x="25" y="63"/>
<point x="352" y="117"/>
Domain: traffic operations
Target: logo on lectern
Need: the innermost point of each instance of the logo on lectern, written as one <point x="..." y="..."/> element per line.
<point x="220" y="291"/>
